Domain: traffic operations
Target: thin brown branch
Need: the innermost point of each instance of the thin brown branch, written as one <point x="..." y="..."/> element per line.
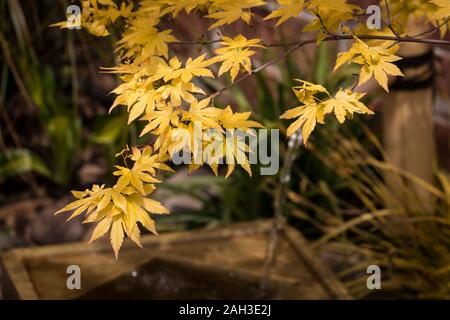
<point x="335" y="37"/>
<point x="195" y="43"/>
<point x="324" y="26"/>
<point x="431" y="31"/>
<point x="389" y="23"/>
<point x="299" y="44"/>
<point x="208" y="42"/>
<point x="260" y="68"/>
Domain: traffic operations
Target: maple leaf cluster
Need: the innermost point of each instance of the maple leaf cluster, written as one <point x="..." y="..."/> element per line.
<point x="165" y="91"/>
<point x="344" y="104"/>
<point x="121" y="207"/>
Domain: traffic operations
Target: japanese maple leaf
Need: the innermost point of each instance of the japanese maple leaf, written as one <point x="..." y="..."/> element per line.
<point x="160" y="118"/>
<point x="443" y="11"/>
<point x="200" y="111"/>
<point x="237" y="120"/>
<point x="235" y="54"/>
<point x="150" y="40"/>
<point x="308" y="116"/>
<point x="287" y="9"/>
<point x="143" y="170"/>
<point x="194" y="67"/>
<point x="374" y="61"/>
<point x="345" y="104"/>
<point x="229" y="11"/>
<point x="236" y="150"/>
<point x="306" y="92"/>
<point x="179" y="90"/>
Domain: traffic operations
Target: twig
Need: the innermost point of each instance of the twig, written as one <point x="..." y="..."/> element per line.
<point x="334" y="37"/>
<point x="193" y="42"/>
<point x="207" y="42"/>
<point x="389" y="24"/>
<point x="324" y="26"/>
<point x="299" y="44"/>
<point x="262" y="67"/>
<point x="431" y="31"/>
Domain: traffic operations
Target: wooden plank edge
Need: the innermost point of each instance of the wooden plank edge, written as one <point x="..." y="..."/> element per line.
<point x="323" y="274"/>
<point x="232" y="230"/>
<point x="15" y="279"/>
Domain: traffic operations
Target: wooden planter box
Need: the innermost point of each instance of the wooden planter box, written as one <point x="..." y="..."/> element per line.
<point x="224" y="263"/>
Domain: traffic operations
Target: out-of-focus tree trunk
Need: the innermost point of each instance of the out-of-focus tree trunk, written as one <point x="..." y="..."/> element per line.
<point x="407" y="120"/>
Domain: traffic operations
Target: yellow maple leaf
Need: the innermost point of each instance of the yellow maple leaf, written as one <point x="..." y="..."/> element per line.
<point x="308" y="116"/>
<point x="120" y="208"/>
<point x="235" y="54"/>
<point x="443" y="9"/>
<point x="96" y="19"/>
<point x="178" y="90"/>
<point x="236" y="150"/>
<point x="161" y="118"/>
<point x="287" y="9"/>
<point x="142" y="172"/>
<point x="229" y="11"/>
<point x="345" y="104"/>
<point x="201" y="111"/>
<point x="174" y="7"/>
<point x="330" y="16"/>
<point x="193" y="67"/>
<point x="174" y="139"/>
<point x="143" y="40"/>
<point x="137" y="92"/>
<point x="237" y="120"/>
<point x="116" y="235"/>
<point x="306" y="92"/>
<point x="147" y="160"/>
<point x="375" y="61"/>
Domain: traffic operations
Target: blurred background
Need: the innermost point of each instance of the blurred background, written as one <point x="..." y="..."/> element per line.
<point x="373" y="191"/>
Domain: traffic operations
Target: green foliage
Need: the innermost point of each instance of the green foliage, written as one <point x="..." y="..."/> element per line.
<point x="19" y="161"/>
<point x="58" y="110"/>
